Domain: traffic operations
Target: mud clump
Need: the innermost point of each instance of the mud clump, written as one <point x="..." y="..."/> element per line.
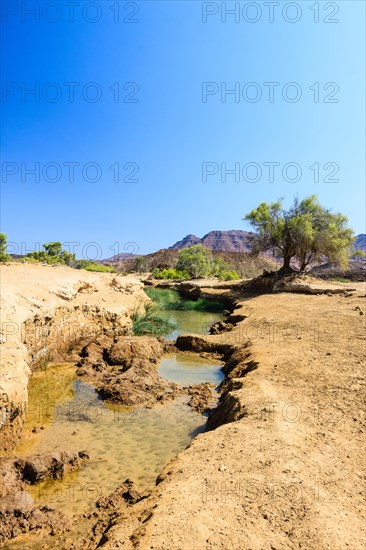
<point x="187" y="342"/>
<point x="124" y="371"/>
<point x="203" y="397"/>
<point x="55" y="465"/>
<point x="18" y="512"/>
<point x="108" y="511"/>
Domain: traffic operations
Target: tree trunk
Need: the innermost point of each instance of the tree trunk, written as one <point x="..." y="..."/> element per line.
<point x="286" y="263"/>
<point x="286" y="269"/>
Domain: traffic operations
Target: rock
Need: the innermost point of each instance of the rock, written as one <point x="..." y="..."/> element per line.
<point x="48" y="466"/>
<point x="93" y="352"/>
<point x="17" y="513"/>
<point x="65" y="293"/>
<point x="203" y="397"/>
<point x="86" y="288"/>
<point x="221" y="326"/>
<point x="16" y="522"/>
<point x="130" y="348"/>
<point x="127" y="374"/>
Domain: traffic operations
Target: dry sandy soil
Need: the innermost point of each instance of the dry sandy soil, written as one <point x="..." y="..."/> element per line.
<point x="290" y="472"/>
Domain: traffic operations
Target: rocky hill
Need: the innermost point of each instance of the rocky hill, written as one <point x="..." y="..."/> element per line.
<point x="228" y="241"/>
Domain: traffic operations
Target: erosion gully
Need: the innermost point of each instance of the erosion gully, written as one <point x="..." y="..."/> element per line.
<point x="64" y="412"/>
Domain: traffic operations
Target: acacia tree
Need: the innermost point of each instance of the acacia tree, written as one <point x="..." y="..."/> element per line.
<point x="305" y="231"/>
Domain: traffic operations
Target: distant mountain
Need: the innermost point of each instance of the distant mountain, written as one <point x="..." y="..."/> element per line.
<point x="189" y="240"/>
<point x="227" y="241"/>
<point x="361" y="242"/>
<point x="224" y="241"/>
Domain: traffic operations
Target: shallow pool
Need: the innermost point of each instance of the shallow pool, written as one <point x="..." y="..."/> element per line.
<point x="122" y="444"/>
<point x="186" y="369"/>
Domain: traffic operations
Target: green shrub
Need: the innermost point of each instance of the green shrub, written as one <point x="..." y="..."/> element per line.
<point x="91" y="266"/>
<point x="228" y="276"/>
<point x="150" y="322"/>
<point x="169" y="274"/>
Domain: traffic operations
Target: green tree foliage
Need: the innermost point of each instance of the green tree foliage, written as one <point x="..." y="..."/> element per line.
<point x="305" y="231"/>
<point x="4" y="256"/>
<point x="53" y="254"/>
<point x="196" y="260"/>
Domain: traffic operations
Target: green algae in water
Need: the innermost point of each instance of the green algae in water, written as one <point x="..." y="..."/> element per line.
<point x="191" y="322"/>
<point x="193" y="317"/>
<point x="168" y="299"/>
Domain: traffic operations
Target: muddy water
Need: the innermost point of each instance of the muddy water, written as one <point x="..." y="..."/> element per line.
<point x="185" y="369"/>
<point x="64" y="412"/>
<point x="122" y="444"/>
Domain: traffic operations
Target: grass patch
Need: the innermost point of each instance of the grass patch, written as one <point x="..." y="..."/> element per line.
<point x="170" y="300"/>
<point x="149" y="322"/>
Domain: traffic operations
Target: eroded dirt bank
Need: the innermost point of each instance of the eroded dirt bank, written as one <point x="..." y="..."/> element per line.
<point x="45" y="312"/>
<point x="284" y="468"/>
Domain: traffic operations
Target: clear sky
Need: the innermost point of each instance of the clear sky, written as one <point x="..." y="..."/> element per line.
<point x="171" y="134"/>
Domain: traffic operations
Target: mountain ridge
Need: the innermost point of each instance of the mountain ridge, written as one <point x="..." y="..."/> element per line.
<point x="233" y="240"/>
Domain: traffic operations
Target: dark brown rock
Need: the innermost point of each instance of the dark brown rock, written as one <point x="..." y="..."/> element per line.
<point x="48" y="466"/>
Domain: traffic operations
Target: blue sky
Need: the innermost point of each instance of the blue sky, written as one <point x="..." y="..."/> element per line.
<point x="163" y="126"/>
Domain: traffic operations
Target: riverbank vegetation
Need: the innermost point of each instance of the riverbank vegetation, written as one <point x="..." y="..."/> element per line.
<point x="196" y="262"/>
<point x="147" y="321"/>
<point x="170" y="300"/>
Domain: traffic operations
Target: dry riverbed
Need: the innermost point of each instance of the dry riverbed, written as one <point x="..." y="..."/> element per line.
<point x="282" y="463"/>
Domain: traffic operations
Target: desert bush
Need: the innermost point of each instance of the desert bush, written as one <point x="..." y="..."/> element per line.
<point x="91" y="266"/>
<point x="169" y="274"/>
<point x="228" y="276"/>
